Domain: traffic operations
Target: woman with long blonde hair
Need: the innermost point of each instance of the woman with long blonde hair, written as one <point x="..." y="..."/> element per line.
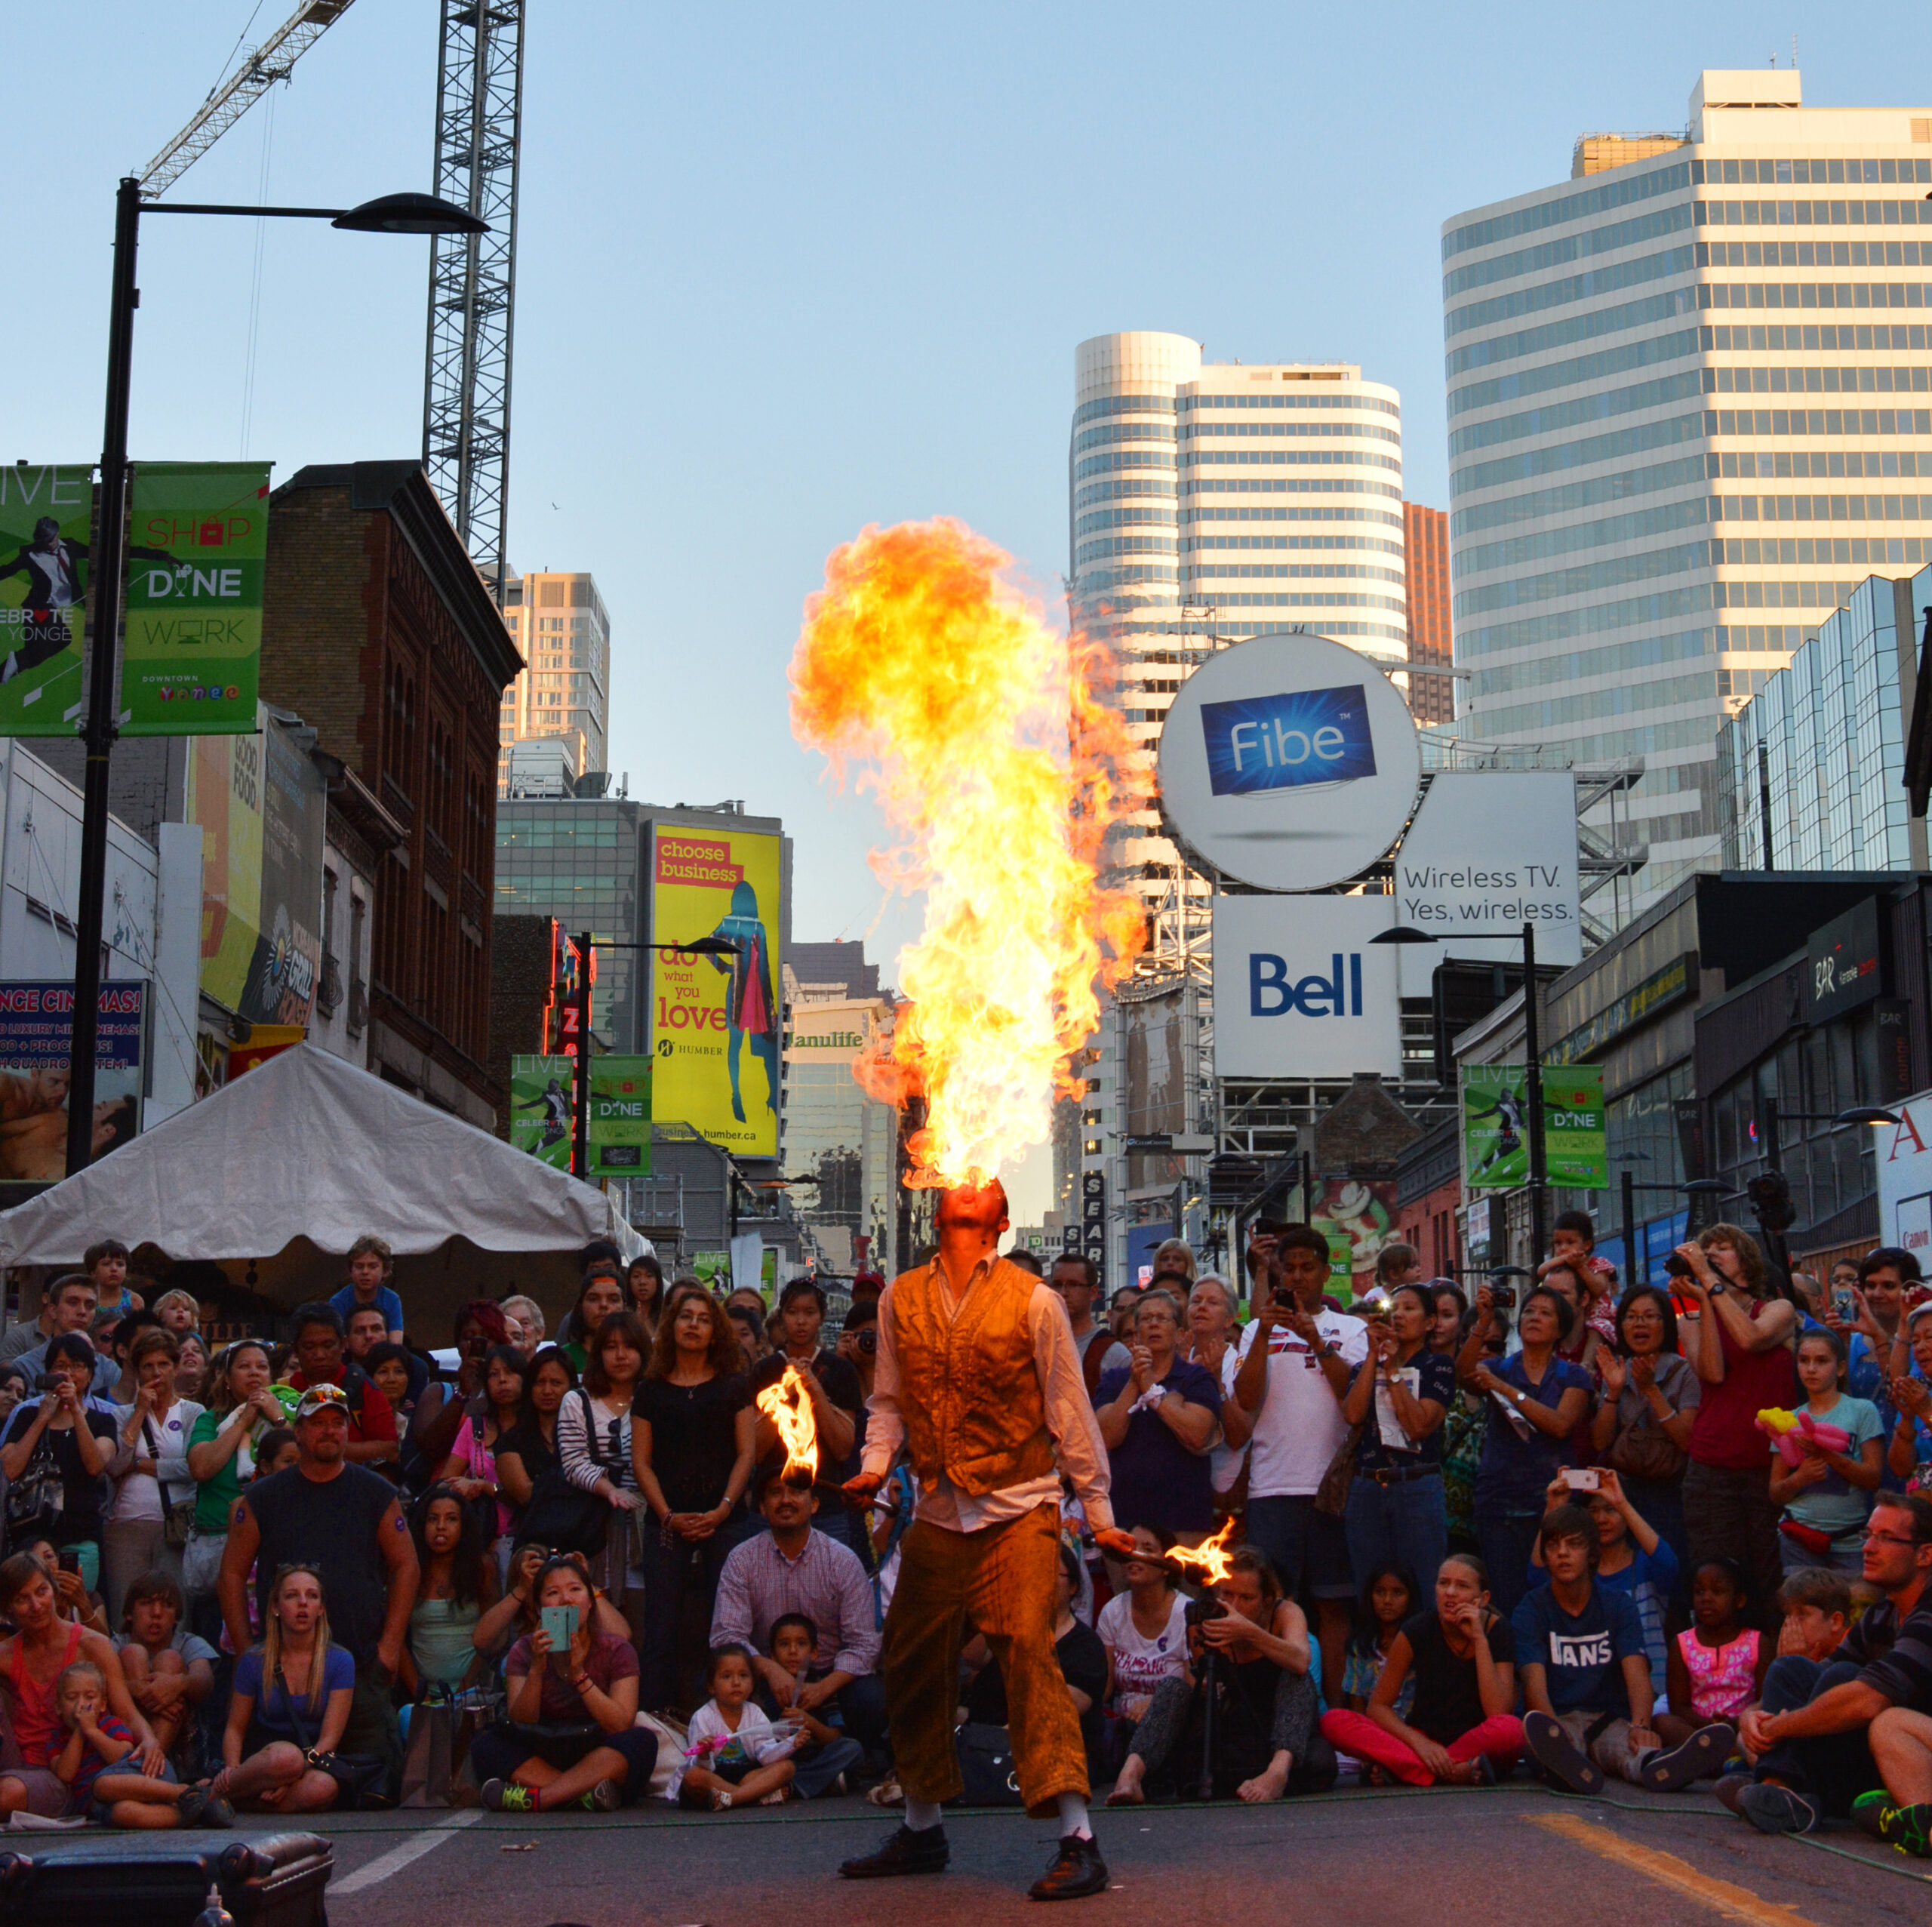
<point x="292" y="1695"/>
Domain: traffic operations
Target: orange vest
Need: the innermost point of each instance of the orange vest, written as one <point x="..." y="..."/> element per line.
<point x="969" y="1388"/>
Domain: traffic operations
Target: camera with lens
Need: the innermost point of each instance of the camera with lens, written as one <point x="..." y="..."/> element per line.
<point x="868" y="1340"/>
<point x="1678" y="1267"/>
<point x="46" y="1382"/>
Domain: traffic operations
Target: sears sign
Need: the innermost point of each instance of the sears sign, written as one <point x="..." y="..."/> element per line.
<point x="1301" y="990"/>
<point x="1288" y="762"/>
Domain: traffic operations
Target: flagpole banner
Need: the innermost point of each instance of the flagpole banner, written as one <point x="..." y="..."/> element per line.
<point x="36" y="1030"/>
<point x="715" y="1017"/>
<point x="541" y="1091"/>
<point x="1495" y="1132"/>
<point x="619" y="1117"/>
<point x="45" y="515"/>
<point x="193" y="646"/>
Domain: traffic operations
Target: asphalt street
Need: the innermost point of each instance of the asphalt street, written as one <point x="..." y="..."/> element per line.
<point x="1516" y="1853"/>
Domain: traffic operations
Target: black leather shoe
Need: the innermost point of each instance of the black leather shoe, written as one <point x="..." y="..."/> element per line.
<point x="1078" y="1870"/>
<point x="905" y="1852"/>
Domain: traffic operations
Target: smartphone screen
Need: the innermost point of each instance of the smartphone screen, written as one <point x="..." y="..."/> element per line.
<point x="560" y="1622"/>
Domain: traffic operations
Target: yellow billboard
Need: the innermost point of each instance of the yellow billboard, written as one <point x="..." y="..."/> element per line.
<point x="715" y="1017"/>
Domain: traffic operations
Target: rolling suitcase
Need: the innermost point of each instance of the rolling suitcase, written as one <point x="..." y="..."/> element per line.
<point x="164" y="1880"/>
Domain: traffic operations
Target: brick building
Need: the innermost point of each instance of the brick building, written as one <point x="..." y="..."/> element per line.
<point x="1425" y="543"/>
<point x="379" y="632"/>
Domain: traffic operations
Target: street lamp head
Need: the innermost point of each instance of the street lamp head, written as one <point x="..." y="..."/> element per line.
<point x="410" y="214"/>
<point x="1403" y="933"/>
<point x="706" y="947"/>
<point x="1868" y="1113"/>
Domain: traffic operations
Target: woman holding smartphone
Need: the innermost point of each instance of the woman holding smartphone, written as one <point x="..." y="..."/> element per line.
<point x="566" y="1672"/>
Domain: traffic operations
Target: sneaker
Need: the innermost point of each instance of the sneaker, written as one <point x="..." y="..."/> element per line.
<point x="218" y="1812"/>
<point x="1774" y="1809"/>
<point x="605" y="1797"/>
<point x="1549" y="1747"/>
<point x="189" y="1807"/>
<point x="1077" y="1871"/>
<point x="1730" y="1788"/>
<point x="1671" y="1767"/>
<point x="1907" y="1828"/>
<point x="500" y="1796"/>
<point x="925" y="1851"/>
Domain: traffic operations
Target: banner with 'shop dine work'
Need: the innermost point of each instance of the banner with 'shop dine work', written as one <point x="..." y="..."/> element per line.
<point x="197" y="555"/>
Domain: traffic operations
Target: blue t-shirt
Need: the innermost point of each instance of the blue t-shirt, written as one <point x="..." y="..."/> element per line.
<point x="1648" y="1579"/>
<point x="1582" y="1654"/>
<point x="272" y="1712"/>
<point x="1865" y="1378"/>
<point x="1834" y="1505"/>
<point x="1156" y="1480"/>
<point x="386" y="1301"/>
<point x="1517" y="1471"/>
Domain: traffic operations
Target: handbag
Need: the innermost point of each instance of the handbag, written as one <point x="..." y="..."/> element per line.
<point x="177" y="1514"/>
<point x="37" y="1498"/>
<point x="429" y="1763"/>
<point x="985" y="1766"/>
<point x="1644" y="1449"/>
<point x="565" y="1517"/>
<point x="361" y="1780"/>
<point x="1331" y="1496"/>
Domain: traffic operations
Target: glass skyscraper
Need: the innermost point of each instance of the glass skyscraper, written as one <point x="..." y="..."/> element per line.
<point x="1647" y="366"/>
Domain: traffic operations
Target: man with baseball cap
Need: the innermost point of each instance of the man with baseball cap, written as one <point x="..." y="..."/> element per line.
<point x="346" y="1522"/>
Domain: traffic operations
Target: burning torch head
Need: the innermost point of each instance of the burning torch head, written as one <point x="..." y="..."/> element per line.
<point x="789" y="1405"/>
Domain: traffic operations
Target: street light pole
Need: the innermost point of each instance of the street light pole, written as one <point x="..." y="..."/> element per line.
<point x="392" y="213"/>
<point x="1533" y="1092"/>
<point x="107" y="569"/>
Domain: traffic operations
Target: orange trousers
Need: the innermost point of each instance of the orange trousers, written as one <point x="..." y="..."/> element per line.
<point x="1002" y="1579"/>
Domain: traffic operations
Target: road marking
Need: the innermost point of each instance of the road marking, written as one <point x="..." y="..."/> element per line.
<point x="1736" y="1903"/>
<point x="397" y="1858"/>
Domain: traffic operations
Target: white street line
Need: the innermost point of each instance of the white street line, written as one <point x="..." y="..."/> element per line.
<point x="398" y="1857"/>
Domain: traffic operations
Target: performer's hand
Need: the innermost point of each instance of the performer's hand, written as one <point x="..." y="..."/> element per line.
<point x="1120" y="1543"/>
<point x="861" y="1487"/>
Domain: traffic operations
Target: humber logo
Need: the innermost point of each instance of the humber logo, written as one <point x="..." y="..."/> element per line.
<point x="1261" y="742"/>
<point x="1270" y="994"/>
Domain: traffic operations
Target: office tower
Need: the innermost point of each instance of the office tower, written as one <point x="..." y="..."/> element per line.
<point x="562" y="698"/>
<point x="1647" y="365"/>
<point x="1209" y="502"/>
<point x="1426" y="555"/>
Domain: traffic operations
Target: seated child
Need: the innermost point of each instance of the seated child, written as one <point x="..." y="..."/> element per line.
<point x="824" y="1753"/>
<point x="1717" y="1663"/>
<point x="1817" y="1607"/>
<point x="735" y="1754"/>
<point x="88" y="1764"/>
<point x="170" y="1672"/>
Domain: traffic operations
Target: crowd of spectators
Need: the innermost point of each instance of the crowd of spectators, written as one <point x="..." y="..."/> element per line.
<point x="1672" y="1536"/>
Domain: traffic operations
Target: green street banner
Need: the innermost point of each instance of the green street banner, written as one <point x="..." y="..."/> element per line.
<point x="196" y="559"/>
<point x="541" y="1091"/>
<point x="45" y="514"/>
<point x="1496" y="1134"/>
<point x="619" y="1117"/>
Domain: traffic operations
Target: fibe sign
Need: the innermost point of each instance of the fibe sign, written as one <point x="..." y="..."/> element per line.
<point x="1281" y="742"/>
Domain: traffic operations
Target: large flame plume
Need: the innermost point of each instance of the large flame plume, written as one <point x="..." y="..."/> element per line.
<point x="1000" y="772"/>
<point x="789" y="1405"/>
<point x="1209" y="1563"/>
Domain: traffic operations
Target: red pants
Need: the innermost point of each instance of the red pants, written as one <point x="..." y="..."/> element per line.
<point x="1501" y="1737"/>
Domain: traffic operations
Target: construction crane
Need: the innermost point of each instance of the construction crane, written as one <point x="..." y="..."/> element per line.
<point x="273" y="60"/>
<point x="472" y="278"/>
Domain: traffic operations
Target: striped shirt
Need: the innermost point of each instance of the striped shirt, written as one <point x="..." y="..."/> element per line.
<point x="1897" y="1658"/>
<point x="758" y="1585"/>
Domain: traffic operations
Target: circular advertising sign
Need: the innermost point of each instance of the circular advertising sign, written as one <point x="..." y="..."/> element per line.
<point x="1289" y="762"/>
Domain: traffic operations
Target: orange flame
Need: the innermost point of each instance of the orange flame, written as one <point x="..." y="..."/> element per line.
<point x="1001" y="773"/>
<point x="1212" y="1560"/>
<point x="789" y="1405"/>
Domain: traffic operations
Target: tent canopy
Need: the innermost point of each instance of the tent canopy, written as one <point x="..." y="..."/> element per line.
<point x="304" y="1155"/>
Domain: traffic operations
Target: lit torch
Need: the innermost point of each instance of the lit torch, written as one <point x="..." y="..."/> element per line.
<point x="789" y="1405"/>
<point x="1001" y="773"/>
<point x="1199" y="1569"/>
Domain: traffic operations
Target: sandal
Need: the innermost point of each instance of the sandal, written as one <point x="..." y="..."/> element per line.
<point x="887" y="1792"/>
<point x="720" y="1799"/>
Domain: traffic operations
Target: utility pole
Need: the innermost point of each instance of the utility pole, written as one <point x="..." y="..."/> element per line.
<point x="1532" y="1092"/>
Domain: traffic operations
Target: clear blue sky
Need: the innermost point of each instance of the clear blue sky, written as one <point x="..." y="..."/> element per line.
<point x="784" y="271"/>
